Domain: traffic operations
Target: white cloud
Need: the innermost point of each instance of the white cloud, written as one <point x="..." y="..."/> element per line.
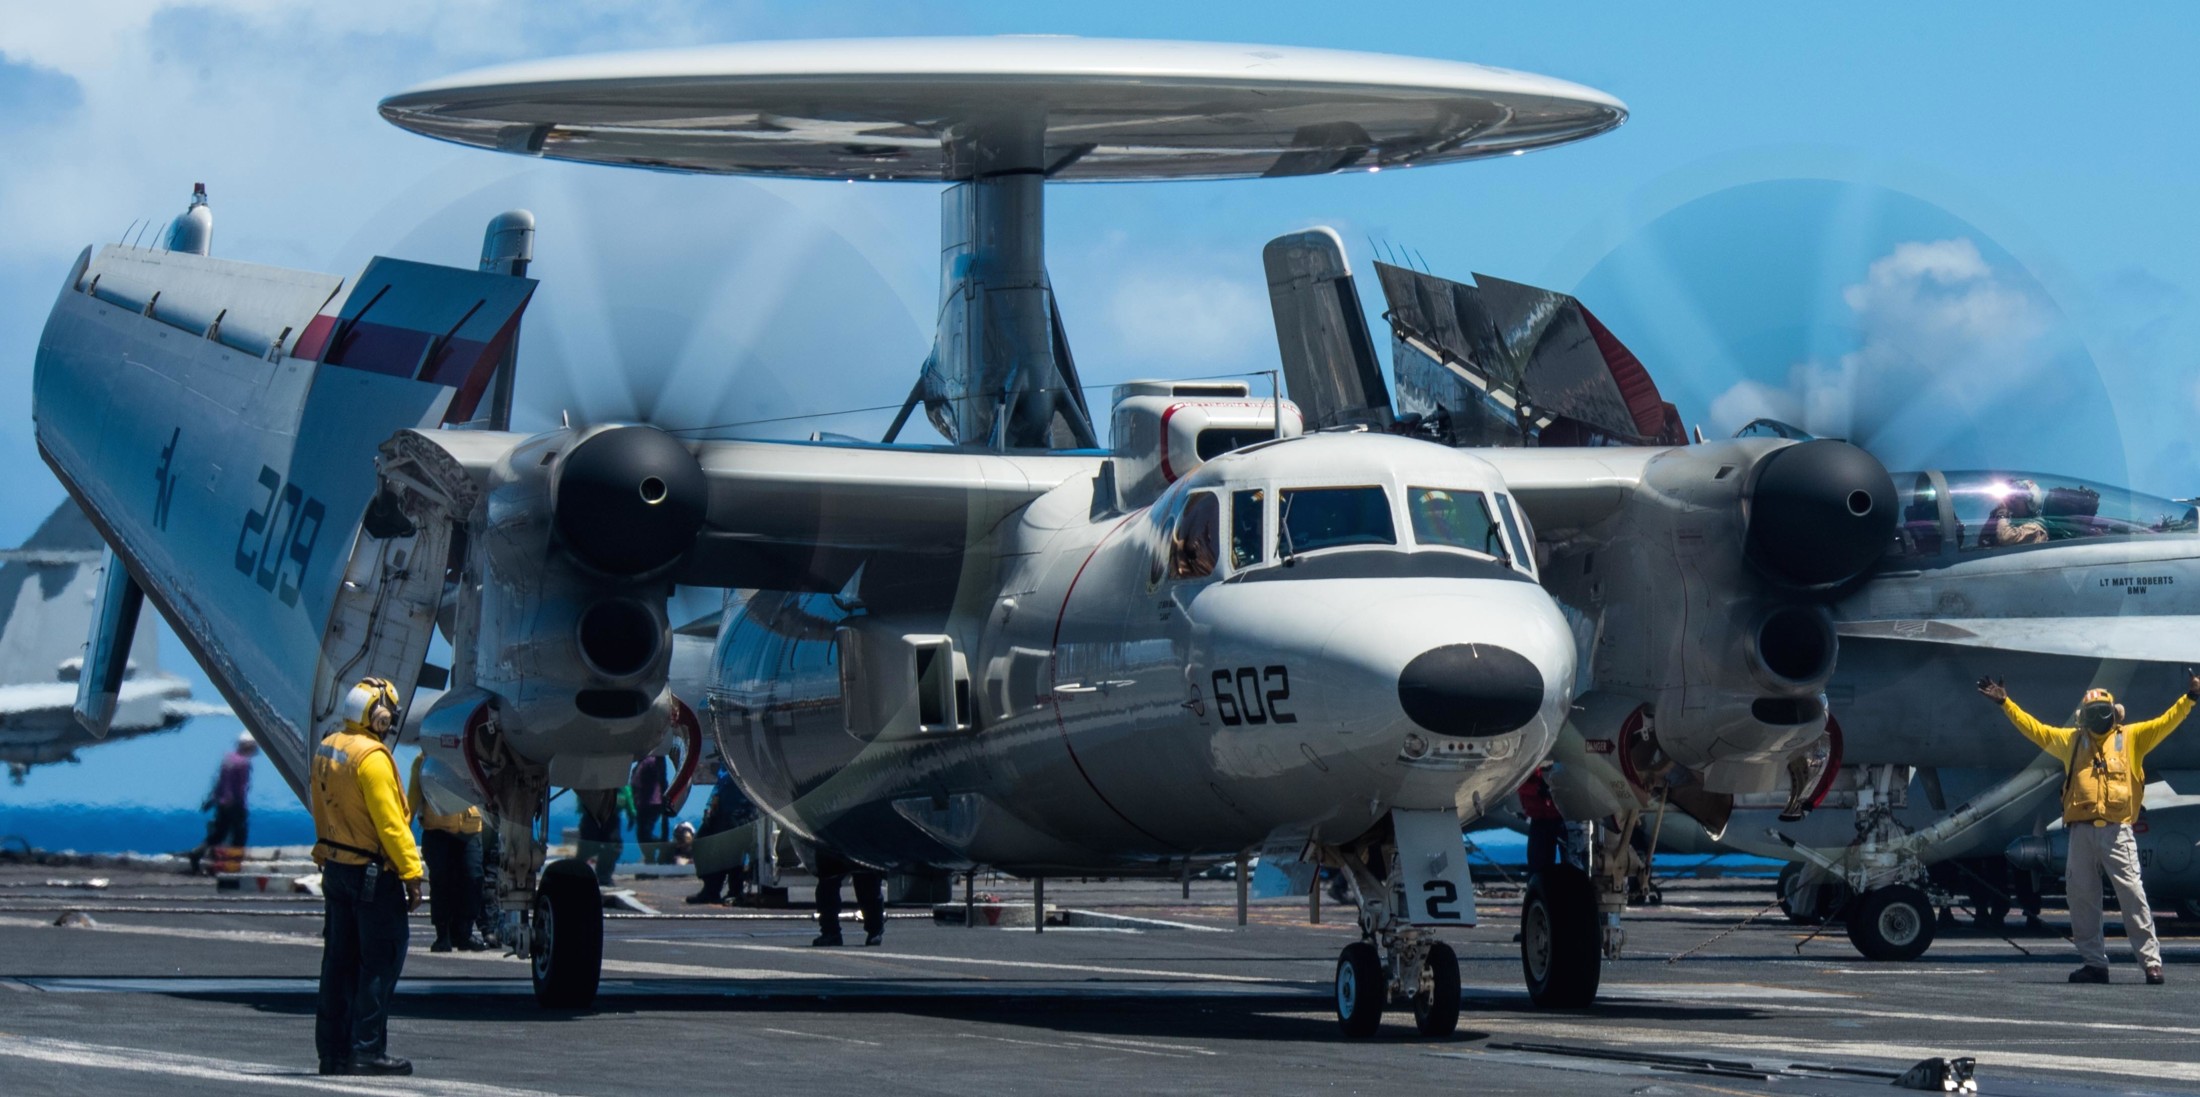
<point x="1174" y="321"/>
<point x="1941" y="335"/>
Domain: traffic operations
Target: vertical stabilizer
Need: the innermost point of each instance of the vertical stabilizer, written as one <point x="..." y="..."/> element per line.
<point x="1328" y="358"/>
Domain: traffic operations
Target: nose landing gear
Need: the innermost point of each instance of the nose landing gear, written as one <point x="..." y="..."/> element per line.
<point x="1395" y="961"/>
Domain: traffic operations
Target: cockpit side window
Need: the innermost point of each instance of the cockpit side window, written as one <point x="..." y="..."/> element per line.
<point x="1319" y="518"/>
<point x="1248" y="527"/>
<point x="1456" y="518"/>
<point x="1198" y="536"/>
<point x="1522" y="533"/>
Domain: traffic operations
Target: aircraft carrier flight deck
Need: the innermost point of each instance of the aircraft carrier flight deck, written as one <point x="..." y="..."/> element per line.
<point x="157" y="982"/>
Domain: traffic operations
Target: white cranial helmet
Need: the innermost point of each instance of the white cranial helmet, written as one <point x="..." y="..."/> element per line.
<point x="364" y="696"/>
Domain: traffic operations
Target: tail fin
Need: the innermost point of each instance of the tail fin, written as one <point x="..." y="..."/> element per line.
<point x="1328" y="358"/>
<point x="48" y="589"/>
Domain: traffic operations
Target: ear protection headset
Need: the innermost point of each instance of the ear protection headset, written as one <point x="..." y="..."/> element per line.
<point x="359" y="703"/>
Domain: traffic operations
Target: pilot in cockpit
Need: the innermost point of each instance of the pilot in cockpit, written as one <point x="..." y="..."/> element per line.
<point x="1193" y="549"/>
<point x="2017" y="520"/>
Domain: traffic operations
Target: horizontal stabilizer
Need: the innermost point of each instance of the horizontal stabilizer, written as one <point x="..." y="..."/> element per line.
<point x="2159" y="639"/>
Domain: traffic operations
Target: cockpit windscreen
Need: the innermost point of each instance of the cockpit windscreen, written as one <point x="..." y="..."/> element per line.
<point x="1459" y="519"/>
<point x="1319" y="518"/>
<point x="1975" y="511"/>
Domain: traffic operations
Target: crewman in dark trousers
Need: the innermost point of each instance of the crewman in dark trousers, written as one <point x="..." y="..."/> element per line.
<point x="451" y="846"/>
<point x="370" y="880"/>
<point x="870" y="888"/>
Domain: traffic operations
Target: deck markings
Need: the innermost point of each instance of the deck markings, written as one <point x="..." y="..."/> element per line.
<point x="233" y="1072"/>
<point x="975" y="961"/>
<point x="1809" y="1047"/>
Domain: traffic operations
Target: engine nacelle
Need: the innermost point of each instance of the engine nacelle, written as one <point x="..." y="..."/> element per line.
<point x="1709" y="588"/>
<point x="573" y="640"/>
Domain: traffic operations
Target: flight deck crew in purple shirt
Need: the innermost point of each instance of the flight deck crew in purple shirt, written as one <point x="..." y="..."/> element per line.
<point x="227" y="801"/>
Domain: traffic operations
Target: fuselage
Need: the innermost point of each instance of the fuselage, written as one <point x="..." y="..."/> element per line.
<point x="1292" y="640"/>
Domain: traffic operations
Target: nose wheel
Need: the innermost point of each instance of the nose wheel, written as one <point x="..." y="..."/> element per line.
<point x="1436" y="1008"/>
<point x="1362" y="989"/>
<point x="1892" y="923"/>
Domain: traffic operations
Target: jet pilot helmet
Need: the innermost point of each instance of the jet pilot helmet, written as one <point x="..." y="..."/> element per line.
<point x="364" y="698"/>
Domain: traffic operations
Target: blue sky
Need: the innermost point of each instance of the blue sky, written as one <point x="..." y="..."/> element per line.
<point x="1745" y="232"/>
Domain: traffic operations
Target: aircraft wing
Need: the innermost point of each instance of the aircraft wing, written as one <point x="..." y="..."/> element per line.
<point x="2152" y="639"/>
<point x="804" y="516"/>
<point x="1571" y="488"/>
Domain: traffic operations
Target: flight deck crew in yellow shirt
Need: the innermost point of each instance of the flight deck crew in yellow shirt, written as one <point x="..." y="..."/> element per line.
<point x="2103" y="783"/>
<point x="370" y="879"/>
<point x="451" y="846"/>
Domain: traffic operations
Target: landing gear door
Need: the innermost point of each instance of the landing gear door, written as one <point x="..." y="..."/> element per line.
<point x="385" y="613"/>
<point x="1432" y="864"/>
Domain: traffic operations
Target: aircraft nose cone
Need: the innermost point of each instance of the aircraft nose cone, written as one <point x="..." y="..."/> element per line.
<point x="1471" y="690"/>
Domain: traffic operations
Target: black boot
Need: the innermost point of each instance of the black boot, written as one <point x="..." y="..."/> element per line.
<point x="382" y="1064"/>
<point x="335" y="1066"/>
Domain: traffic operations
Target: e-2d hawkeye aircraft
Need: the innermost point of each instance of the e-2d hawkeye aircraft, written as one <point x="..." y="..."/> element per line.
<point x="1013" y="650"/>
<point x="48" y="589"/>
<point x="1701" y="579"/>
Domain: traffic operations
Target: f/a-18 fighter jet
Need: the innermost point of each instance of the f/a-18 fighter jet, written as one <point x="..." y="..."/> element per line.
<point x="1222" y="633"/>
<point x="48" y="588"/>
<point x="2057" y="584"/>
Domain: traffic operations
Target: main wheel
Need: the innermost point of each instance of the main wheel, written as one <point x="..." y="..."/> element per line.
<point x="1436" y="1008"/>
<point x="568" y="960"/>
<point x="1892" y="923"/>
<point x="1561" y="952"/>
<point x="1363" y="989"/>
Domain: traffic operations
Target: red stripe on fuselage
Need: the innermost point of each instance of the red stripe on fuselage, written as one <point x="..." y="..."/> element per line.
<point x="1054" y="649"/>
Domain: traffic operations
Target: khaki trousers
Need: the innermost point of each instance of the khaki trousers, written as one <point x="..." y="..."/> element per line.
<point x="2109" y="850"/>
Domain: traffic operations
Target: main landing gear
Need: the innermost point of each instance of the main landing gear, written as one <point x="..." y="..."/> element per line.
<point x="1394" y="962"/>
<point x="1891" y="914"/>
<point x="1561" y="940"/>
<point x="556" y="923"/>
<point x="1570" y="919"/>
